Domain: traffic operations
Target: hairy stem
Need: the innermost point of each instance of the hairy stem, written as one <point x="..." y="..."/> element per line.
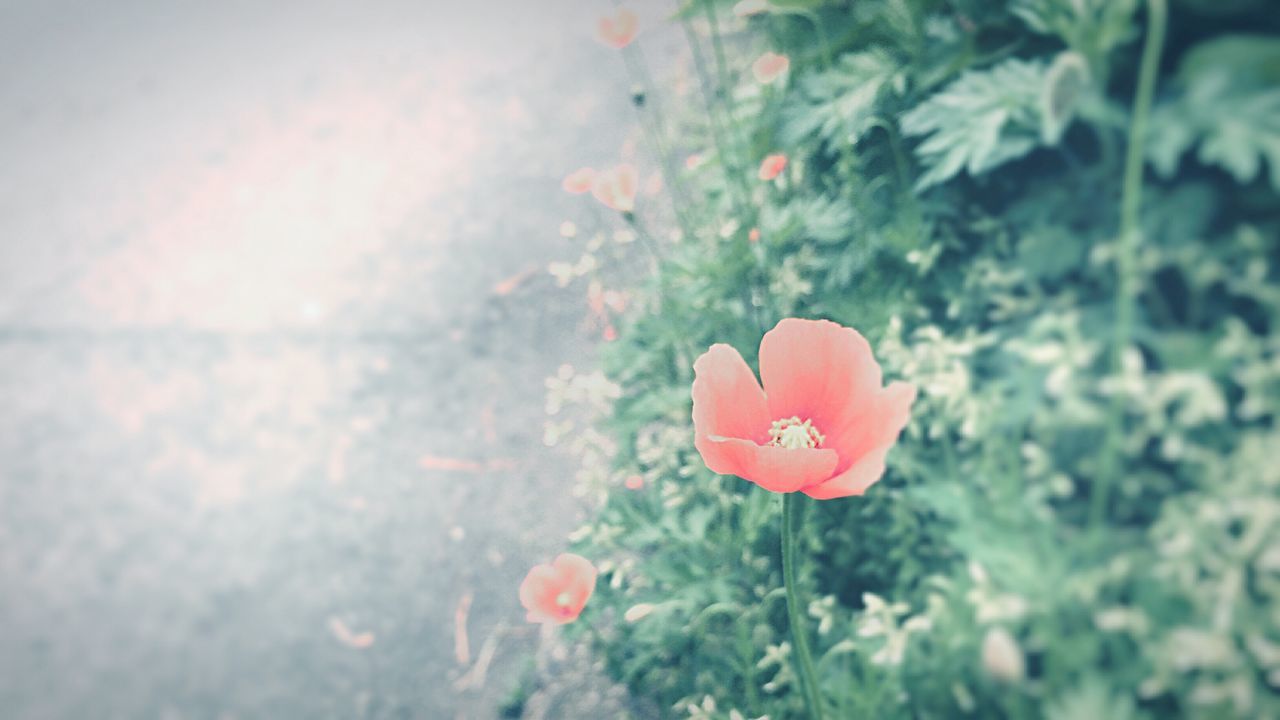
<point x="733" y="172"/>
<point x="656" y="132"/>
<point x="791" y="510"/>
<point x="1127" y="249"/>
<point x="722" y="71"/>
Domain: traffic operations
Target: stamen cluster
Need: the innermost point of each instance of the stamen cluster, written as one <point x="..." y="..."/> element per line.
<point x="792" y="433"/>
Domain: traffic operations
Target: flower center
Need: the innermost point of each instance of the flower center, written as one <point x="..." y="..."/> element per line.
<point x="790" y="433"/>
<point x="562" y="600"/>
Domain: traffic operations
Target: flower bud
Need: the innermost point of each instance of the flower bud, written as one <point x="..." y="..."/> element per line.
<point x="637" y="612"/>
<point x="1002" y="658"/>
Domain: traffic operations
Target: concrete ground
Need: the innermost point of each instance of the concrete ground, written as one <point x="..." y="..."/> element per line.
<point x="274" y="324"/>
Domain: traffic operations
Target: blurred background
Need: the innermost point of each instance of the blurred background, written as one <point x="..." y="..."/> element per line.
<point x="274" y="324"/>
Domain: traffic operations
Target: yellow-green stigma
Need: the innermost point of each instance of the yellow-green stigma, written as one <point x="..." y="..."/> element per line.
<point x="790" y="433"/>
<point x="562" y="600"/>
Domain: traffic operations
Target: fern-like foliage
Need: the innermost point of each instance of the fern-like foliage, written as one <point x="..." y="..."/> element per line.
<point x="982" y="120"/>
<point x="839" y="105"/>
<point x="1092" y="700"/>
<point x="1090" y="27"/>
<point x="1228" y="106"/>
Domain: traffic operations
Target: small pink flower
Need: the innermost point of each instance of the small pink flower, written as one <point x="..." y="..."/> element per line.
<point x="693" y="162"/>
<point x="616" y="188"/>
<point x="610" y="333"/>
<point x="618" y="31"/>
<point x="822" y="424"/>
<point x="579" y="181"/>
<point x="754" y="235"/>
<point x="772" y="166"/>
<point x="770" y="66"/>
<point x="556" y="593"/>
<point x="747" y="8"/>
<point x="634" y="482"/>
<point x="598" y="299"/>
<point x="653" y="185"/>
<point x="616" y="300"/>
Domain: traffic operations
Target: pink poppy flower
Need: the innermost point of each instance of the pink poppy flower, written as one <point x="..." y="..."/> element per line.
<point x="821" y="425"/>
<point x="618" y="31"/>
<point x="772" y="166"/>
<point x="747" y="8"/>
<point x="694" y="161"/>
<point x="556" y="593"/>
<point x="754" y="235"/>
<point x="617" y="187"/>
<point x="579" y="181"/>
<point x="634" y="482"/>
<point x="770" y="66"/>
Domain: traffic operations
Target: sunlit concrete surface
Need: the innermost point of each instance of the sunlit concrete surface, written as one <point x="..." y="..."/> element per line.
<point x="270" y="441"/>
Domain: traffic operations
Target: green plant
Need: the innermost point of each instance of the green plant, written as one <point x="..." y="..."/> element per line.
<point x="1080" y="521"/>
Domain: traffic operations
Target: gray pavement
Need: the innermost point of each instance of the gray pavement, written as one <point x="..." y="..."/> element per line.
<point x="268" y="434"/>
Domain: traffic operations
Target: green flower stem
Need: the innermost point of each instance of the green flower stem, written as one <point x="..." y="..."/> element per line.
<point x="683" y="348"/>
<point x="828" y="59"/>
<point x="1127" y="249"/>
<point x="647" y="241"/>
<point x="756" y="283"/>
<point x="791" y="513"/>
<point x="726" y="87"/>
<point x="848" y="156"/>
<point x="733" y="172"/>
<point x="746" y="652"/>
<point x="655" y="130"/>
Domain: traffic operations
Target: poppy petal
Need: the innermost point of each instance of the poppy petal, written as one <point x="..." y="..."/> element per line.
<point x="854" y="481"/>
<point x="874" y="424"/>
<point x="556" y="593"/>
<point x="616" y="188"/>
<point x="580" y="576"/>
<point x="817" y="370"/>
<point x="727" y="399"/>
<point x="579" y="181"/>
<point x="536" y="584"/>
<point x="772" y="166"/>
<point x="864" y="445"/>
<point x="770" y="66"/>
<point x="773" y="468"/>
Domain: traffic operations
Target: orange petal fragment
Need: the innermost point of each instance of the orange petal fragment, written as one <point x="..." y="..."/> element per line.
<point x="359" y="641"/>
<point x="617" y="31"/>
<point x="770" y="66"/>
<point x="772" y="166"/>
<point x="579" y="181"/>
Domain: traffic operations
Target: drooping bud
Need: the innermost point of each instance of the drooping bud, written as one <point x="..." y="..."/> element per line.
<point x="1002" y="657"/>
<point x="1065" y="84"/>
<point x="637" y="612"/>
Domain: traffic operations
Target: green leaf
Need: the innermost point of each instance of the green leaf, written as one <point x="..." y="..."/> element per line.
<point x="839" y="105"/>
<point x="980" y="121"/>
<point x="1092" y="28"/>
<point x="1228" y="107"/>
<point x="1092" y="701"/>
<point x="1049" y="252"/>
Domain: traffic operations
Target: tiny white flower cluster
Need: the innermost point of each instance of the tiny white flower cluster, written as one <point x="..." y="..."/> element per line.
<point x="777" y="656"/>
<point x="989" y="604"/>
<point x="881" y="619"/>
<point x="565" y="272"/>
<point x="787" y="284"/>
<point x="568" y="387"/>
<point x="707" y="709"/>
<point x="939" y="366"/>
